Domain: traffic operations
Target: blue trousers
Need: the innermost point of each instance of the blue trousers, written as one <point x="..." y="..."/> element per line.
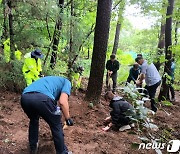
<point x="35" y="105"/>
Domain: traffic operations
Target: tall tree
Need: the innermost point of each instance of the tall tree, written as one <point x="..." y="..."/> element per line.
<point x="118" y="26"/>
<point x="161" y="45"/>
<point x="11" y="30"/>
<point x="57" y="34"/>
<point x="5" y="29"/>
<point x="168" y="53"/>
<point x="99" y="50"/>
<point x="71" y="43"/>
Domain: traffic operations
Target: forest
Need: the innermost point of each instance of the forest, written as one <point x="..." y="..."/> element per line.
<point x="76" y="40"/>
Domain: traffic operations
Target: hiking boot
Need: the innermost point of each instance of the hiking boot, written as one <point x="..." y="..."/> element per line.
<point x="172" y="99"/>
<point x="34" y="151"/>
<point x="154" y="108"/>
<point x="123" y="128"/>
<point x="132" y="125"/>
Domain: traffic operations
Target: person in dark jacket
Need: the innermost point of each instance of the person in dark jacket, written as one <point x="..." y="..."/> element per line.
<point x="120" y="110"/>
<point x="112" y="67"/>
<point x="133" y="73"/>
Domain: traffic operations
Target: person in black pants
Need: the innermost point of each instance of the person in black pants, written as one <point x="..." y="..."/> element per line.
<point x="152" y="79"/>
<point x="40" y="99"/>
<point x="112" y="67"/>
<point x="120" y="110"/>
<point x="133" y="73"/>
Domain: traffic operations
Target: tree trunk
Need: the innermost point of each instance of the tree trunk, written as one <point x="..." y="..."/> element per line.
<point x="161" y="46"/>
<point x="168" y="53"/>
<point x="72" y="56"/>
<point x="88" y="53"/>
<point x="118" y="27"/>
<point x="11" y="31"/>
<point x="99" y="50"/>
<point x="176" y="32"/>
<point x="58" y="28"/>
<point x="5" y="29"/>
<point x="116" y="39"/>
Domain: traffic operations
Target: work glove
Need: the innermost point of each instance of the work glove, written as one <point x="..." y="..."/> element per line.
<point x="69" y="122"/>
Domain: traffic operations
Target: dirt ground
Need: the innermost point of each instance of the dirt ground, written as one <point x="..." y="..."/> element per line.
<point x="85" y="137"/>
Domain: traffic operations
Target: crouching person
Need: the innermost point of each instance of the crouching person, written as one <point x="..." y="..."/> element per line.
<point x="44" y="98"/>
<point x="121" y="109"/>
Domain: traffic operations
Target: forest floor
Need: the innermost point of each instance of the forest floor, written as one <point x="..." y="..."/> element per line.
<point x="85" y="137"/>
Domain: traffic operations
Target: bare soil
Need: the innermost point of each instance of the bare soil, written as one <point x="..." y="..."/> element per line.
<point x="85" y="137"/>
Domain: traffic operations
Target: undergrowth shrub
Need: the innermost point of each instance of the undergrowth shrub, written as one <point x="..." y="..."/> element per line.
<point x="11" y="76"/>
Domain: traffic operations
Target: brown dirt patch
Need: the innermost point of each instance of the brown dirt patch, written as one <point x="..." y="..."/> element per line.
<point x="85" y="137"/>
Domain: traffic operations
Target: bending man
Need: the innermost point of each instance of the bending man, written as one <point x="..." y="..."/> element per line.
<point x="41" y="98"/>
<point x="152" y="79"/>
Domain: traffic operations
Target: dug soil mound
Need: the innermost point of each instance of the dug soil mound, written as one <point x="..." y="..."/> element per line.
<point x="85" y="137"/>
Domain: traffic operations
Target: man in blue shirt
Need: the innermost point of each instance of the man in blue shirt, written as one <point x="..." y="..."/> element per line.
<point x="41" y="98"/>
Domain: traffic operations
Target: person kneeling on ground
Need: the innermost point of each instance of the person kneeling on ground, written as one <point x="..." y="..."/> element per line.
<point x="120" y="110"/>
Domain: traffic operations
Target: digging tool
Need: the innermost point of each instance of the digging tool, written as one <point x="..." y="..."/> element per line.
<point x="108" y="83"/>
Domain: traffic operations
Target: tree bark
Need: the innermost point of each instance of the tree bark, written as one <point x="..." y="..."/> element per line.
<point x="58" y="28"/>
<point x="11" y="30"/>
<point x="176" y="32"/>
<point x="72" y="55"/>
<point x="168" y="53"/>
<point x="161" y="46"/>
<point x="99" y="50"/>
<point x="118" y="27"/>
<point x="5" y="29"/>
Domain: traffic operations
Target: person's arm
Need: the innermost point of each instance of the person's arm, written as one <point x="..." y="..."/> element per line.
<point x="140" y="79"/>
<point x="63" y="103"/>
<point x="143" y="74"/>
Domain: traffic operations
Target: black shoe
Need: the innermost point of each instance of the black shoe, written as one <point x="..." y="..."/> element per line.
<point x="34" y="151"/>
<point x="154" y="108"/>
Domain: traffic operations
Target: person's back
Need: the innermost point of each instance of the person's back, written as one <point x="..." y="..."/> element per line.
<point x="152" y="74"/>
<point x="47" y="98"/>
<point x="120" y="105"/>
<point x="120" y="110"/>
<point x="51" y="86"/>
<point x="32" y="66"/>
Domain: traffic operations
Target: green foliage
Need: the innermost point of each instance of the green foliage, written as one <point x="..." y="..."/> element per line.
<point x="11" y="77"/>
<point x="141" y="113"/>
<point x="167" y="103"/>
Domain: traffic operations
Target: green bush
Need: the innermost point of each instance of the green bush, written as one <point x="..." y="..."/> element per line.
<point x="11" y="77"/>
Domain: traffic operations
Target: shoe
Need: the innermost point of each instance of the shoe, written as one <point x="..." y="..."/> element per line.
<point x="153" y="108"/>
<point x="70" y="152"/>
<point x="114" y="92"/>
<point x="34" y="151"/>
<point x="123" y="128"/>
<point x="172" y="99"/>
<point x="132" y="125"/>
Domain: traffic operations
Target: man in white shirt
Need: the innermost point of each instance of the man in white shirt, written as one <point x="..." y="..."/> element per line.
<point x="152" y="79"/>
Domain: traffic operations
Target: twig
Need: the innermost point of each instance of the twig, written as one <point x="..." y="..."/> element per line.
<point x="116" y="5"/>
